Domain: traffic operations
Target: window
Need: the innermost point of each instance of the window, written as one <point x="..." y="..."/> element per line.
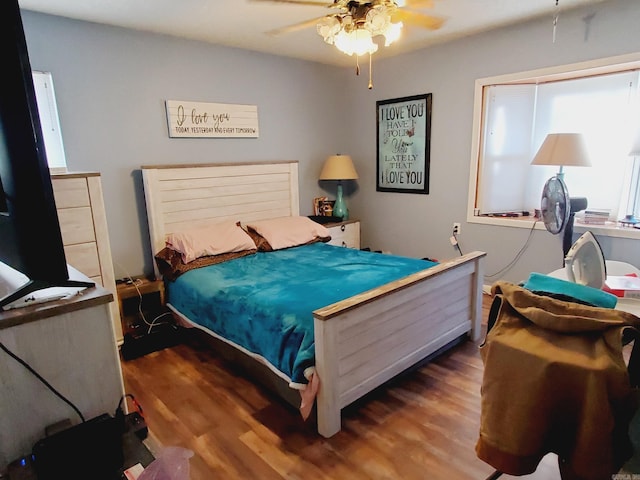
<point x="515" y="113"/>
<point x="48" y="112"/>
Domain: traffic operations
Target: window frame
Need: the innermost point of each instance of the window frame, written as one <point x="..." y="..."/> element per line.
<point x="48" y="113"/>
<point x="601" y="66"/>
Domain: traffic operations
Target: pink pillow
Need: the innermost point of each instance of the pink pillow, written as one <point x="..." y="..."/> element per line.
<point x="214" y="239"/>
<point x="284" y="232"/>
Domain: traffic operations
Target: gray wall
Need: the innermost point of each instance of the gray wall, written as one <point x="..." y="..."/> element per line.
<point x="111" y="84"/>
<point x="419" y="225"/>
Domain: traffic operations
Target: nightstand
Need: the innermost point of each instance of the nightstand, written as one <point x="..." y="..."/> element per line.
<point x="149" y="292"/>
<point x="345" y="234"/>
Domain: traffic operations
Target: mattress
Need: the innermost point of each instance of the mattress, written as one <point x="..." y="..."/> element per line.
<point x="263" y="303"/>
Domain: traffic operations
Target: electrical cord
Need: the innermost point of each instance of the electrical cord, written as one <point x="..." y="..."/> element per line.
<point x="135" y="283"/>
<point x="454" y="240"/>
<point x="456" y="243"/>
<point x="133" y="400"/>
<point x="140" y="312"/>
<point x="518" y="255"/>
<point x="153" y="322"/>
<point x="39" y="377"/>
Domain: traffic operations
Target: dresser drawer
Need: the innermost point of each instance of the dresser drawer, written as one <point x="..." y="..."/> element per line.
<point x="76" y="225"/>
<point x="84" y="257"/>
<point x="70" y="193"/>
<point x="345" y="234"/>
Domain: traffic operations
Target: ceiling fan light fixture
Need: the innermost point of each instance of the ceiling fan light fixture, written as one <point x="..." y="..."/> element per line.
<point x="328" y="28"/>
<point x="358" y="42"/>
<point x="353" y="31"/>
<point x="377" y="20"/>
<point x="393" y="33"/>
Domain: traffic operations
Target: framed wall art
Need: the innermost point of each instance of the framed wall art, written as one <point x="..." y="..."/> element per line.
<point x="404" y="142"/>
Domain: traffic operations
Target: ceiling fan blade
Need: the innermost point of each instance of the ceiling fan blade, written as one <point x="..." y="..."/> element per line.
<point x="415" y="3"/>
<point x="298" y="2"/>
<point x="418" y="19"/>
<point x="295" y="27"/>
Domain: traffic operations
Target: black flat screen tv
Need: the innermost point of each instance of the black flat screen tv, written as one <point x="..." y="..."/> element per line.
<point x="30" y="238"/>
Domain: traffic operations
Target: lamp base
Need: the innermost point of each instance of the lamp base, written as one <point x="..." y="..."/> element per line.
<point x="340" y="208"/>
<point x="630" y="219"/>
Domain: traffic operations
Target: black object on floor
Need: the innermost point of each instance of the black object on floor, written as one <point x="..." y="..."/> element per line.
<point x="92" y="449"/>
<point x="160" y="337"/>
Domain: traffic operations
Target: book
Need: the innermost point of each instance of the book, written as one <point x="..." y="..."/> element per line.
<point x="622" y="282"/>
<point x="624" y="286"/>
<point x="595" y="217"/>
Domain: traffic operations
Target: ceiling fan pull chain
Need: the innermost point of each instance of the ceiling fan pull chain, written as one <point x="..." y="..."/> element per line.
<point x="357" y="65"/>
<point x="555" y="21"/>
<point x="370" y="72"/>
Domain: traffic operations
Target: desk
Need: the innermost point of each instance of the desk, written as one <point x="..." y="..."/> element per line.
<point x="630" y="305"/>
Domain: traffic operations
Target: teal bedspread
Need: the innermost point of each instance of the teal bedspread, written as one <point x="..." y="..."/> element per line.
<point x="264" y="302"/>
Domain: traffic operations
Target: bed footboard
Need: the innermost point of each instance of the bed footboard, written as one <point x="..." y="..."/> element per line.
<point x="367" y="339"/>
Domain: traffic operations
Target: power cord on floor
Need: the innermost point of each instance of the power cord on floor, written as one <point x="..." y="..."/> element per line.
<point x="133" y="421"/>
<point x="120" y="409"/>
<point x="39" y="377"/>
<point x="153" y="322"/>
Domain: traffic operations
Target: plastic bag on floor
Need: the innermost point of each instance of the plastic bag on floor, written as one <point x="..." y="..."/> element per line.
<point x="172" y="463"/>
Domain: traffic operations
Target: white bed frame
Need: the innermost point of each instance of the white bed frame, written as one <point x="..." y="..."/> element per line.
<point x="360" y="342"/>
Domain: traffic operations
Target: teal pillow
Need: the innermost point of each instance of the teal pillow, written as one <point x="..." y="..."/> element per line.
<point x="538" y="282"/>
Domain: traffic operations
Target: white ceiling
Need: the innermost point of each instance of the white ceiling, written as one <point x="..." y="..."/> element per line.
<point x="244" y="23"/>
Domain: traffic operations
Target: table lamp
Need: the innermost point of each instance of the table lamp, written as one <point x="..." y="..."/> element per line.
<point x="563" y="149"/>
<point x="632" y="202"/>
<point x="340" y="168"/>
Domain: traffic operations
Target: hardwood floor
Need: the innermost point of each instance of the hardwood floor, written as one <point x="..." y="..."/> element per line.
<point x="423" y="425"/>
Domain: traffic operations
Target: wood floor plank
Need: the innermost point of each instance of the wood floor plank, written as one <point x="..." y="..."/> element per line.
<point x="422" y="425"/>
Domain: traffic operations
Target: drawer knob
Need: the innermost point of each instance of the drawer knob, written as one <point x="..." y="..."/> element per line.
<point x="343" y="227"/>
<point x="344" y="244"/>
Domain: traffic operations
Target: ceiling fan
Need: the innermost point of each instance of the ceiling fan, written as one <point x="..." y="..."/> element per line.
<point x="354" y="13"/>
<point x="353" y="24"/>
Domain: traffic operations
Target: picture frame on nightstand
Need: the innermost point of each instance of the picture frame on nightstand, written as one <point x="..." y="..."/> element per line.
<point x="317" y="205"/>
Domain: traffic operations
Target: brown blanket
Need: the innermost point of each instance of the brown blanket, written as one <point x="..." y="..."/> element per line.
<point x="555" y="380"/>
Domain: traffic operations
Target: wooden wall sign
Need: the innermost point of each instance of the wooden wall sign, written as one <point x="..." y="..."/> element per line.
<point x="211" y="120"/>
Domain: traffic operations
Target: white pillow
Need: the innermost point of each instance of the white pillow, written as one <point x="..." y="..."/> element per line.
<point x="214" y="239"/>
<point x="284" y="232"/>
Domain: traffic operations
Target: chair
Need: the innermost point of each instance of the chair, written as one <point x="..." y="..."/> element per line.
<point x="552" y="366"/>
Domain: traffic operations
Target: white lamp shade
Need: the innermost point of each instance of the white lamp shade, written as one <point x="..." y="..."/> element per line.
<point x="564" y="149"/>
<point x="338" y="167"/>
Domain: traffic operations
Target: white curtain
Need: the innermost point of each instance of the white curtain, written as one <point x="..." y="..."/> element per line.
<point x="518" y="118"/>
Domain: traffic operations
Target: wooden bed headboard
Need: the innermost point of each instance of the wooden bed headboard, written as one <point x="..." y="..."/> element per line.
<point x="179" y="197"/>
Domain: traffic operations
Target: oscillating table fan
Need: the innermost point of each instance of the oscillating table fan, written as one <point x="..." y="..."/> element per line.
<point x="558" y="210"/>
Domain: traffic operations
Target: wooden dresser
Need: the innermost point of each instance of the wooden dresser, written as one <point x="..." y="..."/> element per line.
<point x="83" y="223"/>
